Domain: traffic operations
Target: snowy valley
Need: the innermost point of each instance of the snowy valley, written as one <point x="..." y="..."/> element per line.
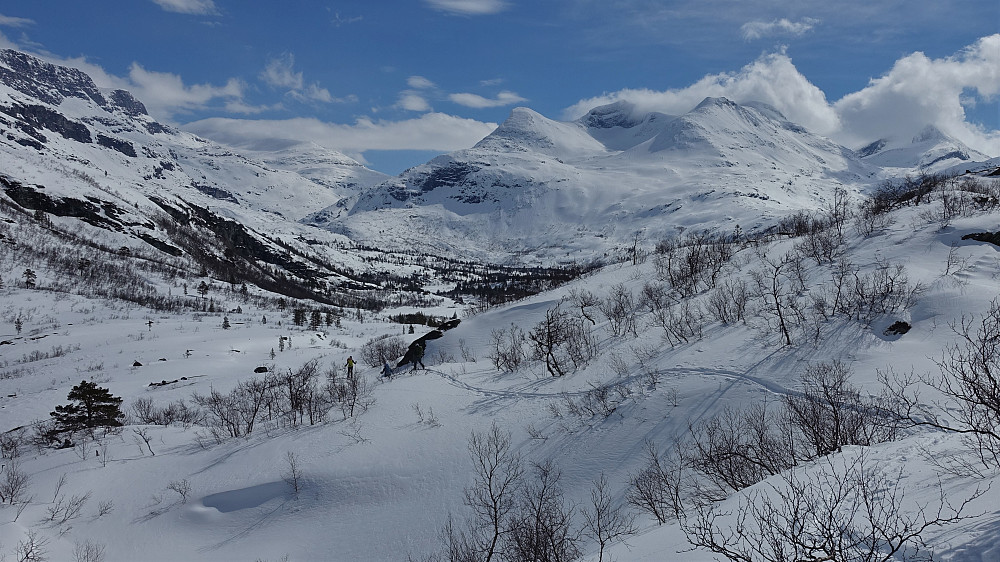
<point x="619" y="314"/>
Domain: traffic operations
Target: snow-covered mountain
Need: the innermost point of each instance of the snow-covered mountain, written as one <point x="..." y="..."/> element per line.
<point x="60" y="114"/>
<point x="929" y="151"/>
<point x="78" y="153"/>
<point x="242" y="445"/>
<point x="569" y="187"/>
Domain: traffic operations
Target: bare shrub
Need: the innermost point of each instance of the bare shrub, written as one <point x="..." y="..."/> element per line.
<point x="656" y="487"/>
<point x="64" y="510"/>
<point x="299" y="397"/>
<point x="830" y="412"/>
<point x="32" y="548"/>
<point x="293" y="472"/>
<point x="182" y="487"/>
<point x="492" y="497"/>
<point x="12" y="443"/>
<point x="507" y="349"/>
<point x="236" y="413"/>
<point x="680" y="324"/>
<point x="822" y="245"/>
<point x="14" y="484"/>
<point x="562" y="342"/>
<point x="605" y="521"/>
<point x="771" y="288"/>
<point x="143" y="411"/>
<point x="969" y="379"/>
<point x="728" y="302"/>
<point x="354" y="395"/>
<point x="540" y="528"/>
<point x="142" y="437"/>
<point x="887" y="289"/>
<point x="737" y="449"/>
<point x="381" y="350"/>
<point x="850" y="512"/>
<point x="87" y="551"/>
<point x="620" y="309"/>
<point x="693" y="263"/>
<point x="584" y="300"/>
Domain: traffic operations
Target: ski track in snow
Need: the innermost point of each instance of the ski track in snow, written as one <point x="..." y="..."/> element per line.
<point x="770" y="386"/>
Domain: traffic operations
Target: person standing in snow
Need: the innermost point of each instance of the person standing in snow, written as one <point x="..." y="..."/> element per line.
<point x="418" y="358"/>
<point x="387" y="371"/>
<point x="350" y="365"/>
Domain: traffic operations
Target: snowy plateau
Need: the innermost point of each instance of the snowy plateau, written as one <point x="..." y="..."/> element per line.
<point x="644" y="337"/>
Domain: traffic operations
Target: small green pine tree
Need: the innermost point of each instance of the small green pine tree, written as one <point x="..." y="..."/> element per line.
<point x="93" y="407"/>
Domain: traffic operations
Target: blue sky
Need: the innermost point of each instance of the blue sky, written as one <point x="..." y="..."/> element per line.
<point x="392" y="82"/>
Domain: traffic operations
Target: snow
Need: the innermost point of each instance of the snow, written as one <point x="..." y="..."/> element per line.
<point x="380" y="486"/>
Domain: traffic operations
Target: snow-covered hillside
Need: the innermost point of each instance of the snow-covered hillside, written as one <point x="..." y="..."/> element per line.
<point x="190" y="281"/>
<point x="381" y="483"/>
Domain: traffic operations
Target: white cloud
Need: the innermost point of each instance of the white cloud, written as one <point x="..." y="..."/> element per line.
<point x="419" y="82"/>
<point x="165" y="94"/>
<point x="477" y="101"/>
<point x="197" y="7"/>
<point x="771" y="79"/>
<point x="280" y="73"/>
<point x="432" y="131"/>
<point x="780" y="27"/>
<point x="468" y="7"/>
<point x="339" y="20"/>
<point x="10" y="21"/>
<point x="411" y="100"/>
<point x="916" y="92"/>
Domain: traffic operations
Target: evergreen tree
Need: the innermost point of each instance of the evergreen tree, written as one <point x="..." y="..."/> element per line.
<point x="225" y="323"/>
<point x="93" y="407"/>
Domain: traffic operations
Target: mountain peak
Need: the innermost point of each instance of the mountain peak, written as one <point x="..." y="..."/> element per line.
<point x="528" y="130"/>
<point x="716" y="102"/>
<point x="45" y="81"/>
<point x="617" y="114"/>
<point x="930" y="133"/>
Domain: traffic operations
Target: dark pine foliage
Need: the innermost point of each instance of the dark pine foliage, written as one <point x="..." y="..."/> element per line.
<point x="92" y="406"/>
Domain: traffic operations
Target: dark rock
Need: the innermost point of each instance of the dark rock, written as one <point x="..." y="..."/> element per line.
<point x="119" y="145"/>
<point x="897" y="328"/>
<point x="126" y="102"/>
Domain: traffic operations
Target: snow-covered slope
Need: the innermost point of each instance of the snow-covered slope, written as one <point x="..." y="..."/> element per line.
<point x="929" y="151"/>
<point x="380" y="485"/>
<point x="585" y="187"/>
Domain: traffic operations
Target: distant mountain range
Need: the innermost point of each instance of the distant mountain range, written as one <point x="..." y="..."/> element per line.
<point x="534" y="191"/>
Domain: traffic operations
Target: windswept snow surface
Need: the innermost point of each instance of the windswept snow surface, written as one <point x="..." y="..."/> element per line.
<point x="380" y="486"/>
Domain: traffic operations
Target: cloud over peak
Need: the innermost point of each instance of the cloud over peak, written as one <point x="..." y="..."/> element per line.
<point x="917" y="91"/>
